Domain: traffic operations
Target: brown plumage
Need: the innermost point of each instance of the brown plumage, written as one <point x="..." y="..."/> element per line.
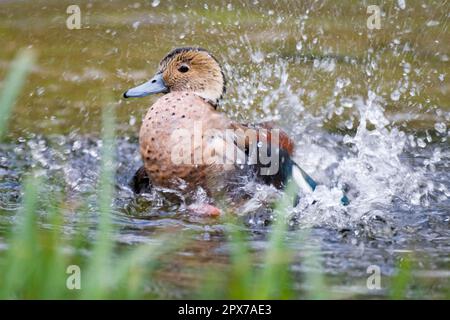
<point x="193" y="83"/>
<point x="159" y="141"/>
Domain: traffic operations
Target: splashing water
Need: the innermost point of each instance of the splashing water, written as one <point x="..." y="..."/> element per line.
<point x="372" y="164"/>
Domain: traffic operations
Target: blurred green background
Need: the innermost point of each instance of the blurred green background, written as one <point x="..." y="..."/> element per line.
<point x="121" y="42"/>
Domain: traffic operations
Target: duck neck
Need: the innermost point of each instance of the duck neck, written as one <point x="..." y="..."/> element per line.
<point x="213" y="102"/>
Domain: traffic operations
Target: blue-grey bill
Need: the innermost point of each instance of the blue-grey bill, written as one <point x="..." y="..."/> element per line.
<point x="154" y="85"/>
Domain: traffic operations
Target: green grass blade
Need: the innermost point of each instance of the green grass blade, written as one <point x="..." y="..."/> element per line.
<point x="22" y="245"/>
<point x="402" y="279"/>
<point x="240" y="282"/>
<point x="99" y="269"/>
<point x="314" y="283"/>
<point x="12" y="86"/>
<point x="274" y="279"/>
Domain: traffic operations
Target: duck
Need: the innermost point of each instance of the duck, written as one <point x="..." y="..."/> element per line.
<point x="186" y="142"/>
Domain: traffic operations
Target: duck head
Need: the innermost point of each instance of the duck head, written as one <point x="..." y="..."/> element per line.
<point x="185" y="69"/>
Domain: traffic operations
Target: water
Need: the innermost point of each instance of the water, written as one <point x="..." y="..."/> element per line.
<point x="369" y="111"/>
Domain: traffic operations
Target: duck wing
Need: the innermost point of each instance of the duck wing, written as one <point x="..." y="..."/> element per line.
<point x="279" y="147"/>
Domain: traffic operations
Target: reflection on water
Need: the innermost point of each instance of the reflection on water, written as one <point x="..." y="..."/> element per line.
<point x="368" y="110"/>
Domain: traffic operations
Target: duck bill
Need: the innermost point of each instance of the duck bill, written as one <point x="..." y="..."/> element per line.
<point x="154" y="85"/>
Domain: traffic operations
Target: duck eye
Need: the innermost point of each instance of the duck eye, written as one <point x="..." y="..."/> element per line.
<point x="183" y="68"/>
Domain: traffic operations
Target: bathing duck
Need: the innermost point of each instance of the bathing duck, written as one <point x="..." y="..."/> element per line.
<point x="186" y="141"/>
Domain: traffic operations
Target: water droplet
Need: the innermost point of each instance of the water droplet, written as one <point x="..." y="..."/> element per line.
<point x="395" y="95"/>
<point x="40" y="91"/>
<point x="76" y="145"/>
<point x="348" y="124"/>
<point x="257" y="57"/>
<point x="440" y="127"/>
<point x="432" y="23"/>
<point x="401" y="4"/>
<point x="406" y="67"/>
<point x="136" y="25"/>
<point x="421" y="143"/>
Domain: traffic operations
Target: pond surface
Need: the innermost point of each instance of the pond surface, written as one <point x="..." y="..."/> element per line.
<point x="369" y="111"/>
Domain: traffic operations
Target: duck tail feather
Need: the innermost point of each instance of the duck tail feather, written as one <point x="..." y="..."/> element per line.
<point x="306" y="184"/>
